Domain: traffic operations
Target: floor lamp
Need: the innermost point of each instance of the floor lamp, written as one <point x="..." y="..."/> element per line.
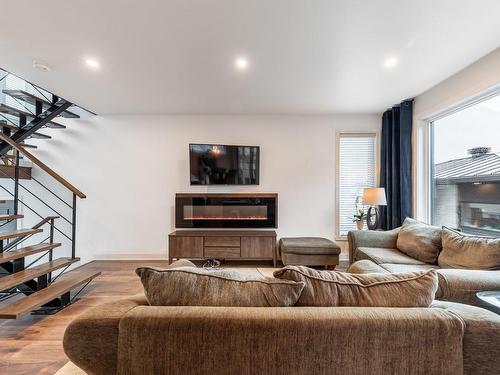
<point x="374" y="197"/>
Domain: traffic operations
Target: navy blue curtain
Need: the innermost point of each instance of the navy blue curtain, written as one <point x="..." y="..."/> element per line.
<point x="396" y="164"/>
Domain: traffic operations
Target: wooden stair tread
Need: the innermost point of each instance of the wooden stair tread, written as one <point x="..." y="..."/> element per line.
<point x="20" y="277"/>
<point x="8" y="110"/>
<point x="31" y="99"/>
<point x="5" y="156"/>
<point x="25" y="145"/>
<point x="25" y="251"/>
<point x="4" y="108"/>
<point x="40" y="136"/>
<point x="64" y="284"/>
<point x="16" y="128"/>
<point x="5" y="124"/>
<point x="19" y="233"/>
<point x="55" y="125"/>
<point x="10" y="217"/>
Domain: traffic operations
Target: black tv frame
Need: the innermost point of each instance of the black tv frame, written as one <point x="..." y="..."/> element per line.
<point x="257" y="182"/>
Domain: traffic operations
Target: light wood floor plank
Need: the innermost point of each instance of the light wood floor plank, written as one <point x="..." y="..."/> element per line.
<point x="32" y="345"/>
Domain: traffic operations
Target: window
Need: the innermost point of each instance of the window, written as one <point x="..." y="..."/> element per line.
<point x="357" y="166"/>
<point x="465" y="169"/>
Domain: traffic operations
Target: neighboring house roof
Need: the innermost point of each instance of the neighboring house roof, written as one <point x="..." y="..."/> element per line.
<point x="471" y="169"/>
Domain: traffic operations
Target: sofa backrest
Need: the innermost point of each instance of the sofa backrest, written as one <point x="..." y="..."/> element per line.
<point x="294" y="340"/>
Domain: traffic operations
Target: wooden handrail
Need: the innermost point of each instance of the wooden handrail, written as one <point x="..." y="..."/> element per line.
<point x="42" y="166"/>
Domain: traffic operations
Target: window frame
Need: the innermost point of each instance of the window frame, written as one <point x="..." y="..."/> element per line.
<point x="359" y="133"/>
<point x="424" y="149"/>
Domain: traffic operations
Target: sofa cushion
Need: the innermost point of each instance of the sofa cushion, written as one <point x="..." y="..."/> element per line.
<point x="460" y="285"/>
<point x="331" y="288"/>
<point x="385" y="255"/>
<point x="469" y="252"/>
<point x="395" y="268"/>
<point x="419" y="240"/>
<point x="188" y="286"/>
<point x="366" y="266"/>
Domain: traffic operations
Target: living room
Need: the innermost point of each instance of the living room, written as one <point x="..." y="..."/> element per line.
<point x="358" y="230"/>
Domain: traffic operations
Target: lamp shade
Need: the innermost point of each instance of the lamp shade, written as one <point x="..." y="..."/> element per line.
<point x="374" y="197"/>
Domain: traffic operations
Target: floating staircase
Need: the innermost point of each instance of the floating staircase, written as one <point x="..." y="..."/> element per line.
<point x="35" y="282"/>
<point x="62" y="287"/>
<point x="45" y="284"/>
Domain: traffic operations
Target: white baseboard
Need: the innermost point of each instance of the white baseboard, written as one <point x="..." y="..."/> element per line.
<point x="156" y="256"/>
<point x="133" y="256"/>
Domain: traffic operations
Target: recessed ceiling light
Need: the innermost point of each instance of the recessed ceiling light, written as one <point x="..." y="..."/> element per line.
<point x="41" y="65"/>
<point x="241" y="63"/>
<point x="390" y="62"/>
<point x="92" y="63"/>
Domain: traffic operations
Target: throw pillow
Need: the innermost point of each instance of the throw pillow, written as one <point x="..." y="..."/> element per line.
<point x="332" y="288"/>
<point x="469" y="252"/>
<point x="419" y="240"/>
<point x="187" y="286"/>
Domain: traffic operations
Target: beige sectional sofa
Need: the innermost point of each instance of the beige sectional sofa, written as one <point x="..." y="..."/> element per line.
<point x="129" y="337"/>
<point x="377" y="251"/>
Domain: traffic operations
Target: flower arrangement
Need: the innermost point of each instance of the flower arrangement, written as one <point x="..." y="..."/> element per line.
<point x="360" y="215"/>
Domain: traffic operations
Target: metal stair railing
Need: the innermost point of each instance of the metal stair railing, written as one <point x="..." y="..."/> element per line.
<point x="76" y="193"/>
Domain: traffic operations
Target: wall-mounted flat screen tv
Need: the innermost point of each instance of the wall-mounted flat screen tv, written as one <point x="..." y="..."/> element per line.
<point x="223" y="164"/>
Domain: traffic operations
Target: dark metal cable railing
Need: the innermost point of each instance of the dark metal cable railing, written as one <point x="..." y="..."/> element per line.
<point x="34" y="195"/>
<point x="36" y="213"/>
<point x="32" y="109"/>
<point x="8" y="120"/>
<point x="41" y="184"/>
<point x="22" y="105"/>
<point x="45" y="220"/>
<point x="41" y="119"/>
<point x="53" y="227"/>
<point x="39" y="91"/>
<point x="38" y="198"/>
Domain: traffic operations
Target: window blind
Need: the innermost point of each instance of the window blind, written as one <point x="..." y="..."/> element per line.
<point x="357" y="164"/>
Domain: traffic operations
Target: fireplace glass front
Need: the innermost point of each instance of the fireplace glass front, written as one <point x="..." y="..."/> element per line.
<point x="225" y="211"/>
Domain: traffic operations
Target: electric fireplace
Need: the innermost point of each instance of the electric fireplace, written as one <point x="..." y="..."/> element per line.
<point x="236" y="210"/>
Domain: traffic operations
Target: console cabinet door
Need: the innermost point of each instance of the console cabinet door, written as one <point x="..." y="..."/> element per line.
<point x="257" y="247"/>
<point x="185" y="247"/>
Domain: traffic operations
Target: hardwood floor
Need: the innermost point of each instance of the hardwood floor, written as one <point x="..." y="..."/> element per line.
<point x="33" y="344"/>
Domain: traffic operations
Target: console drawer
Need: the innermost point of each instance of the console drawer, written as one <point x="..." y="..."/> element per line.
<point x="222" y="241"/>
<point x="222" y="252"/>
<point x="185" y="247"/>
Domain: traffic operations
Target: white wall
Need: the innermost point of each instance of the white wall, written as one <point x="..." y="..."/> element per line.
<point x="483" y="74"/>
<point x="130" y="167"/>
<point x="480" y="78"/>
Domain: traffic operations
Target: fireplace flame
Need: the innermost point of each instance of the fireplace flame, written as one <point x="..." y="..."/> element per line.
<point x="225" y="218"/>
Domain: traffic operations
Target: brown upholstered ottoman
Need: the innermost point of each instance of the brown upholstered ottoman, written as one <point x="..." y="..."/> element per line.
<point x="309" y="251"/>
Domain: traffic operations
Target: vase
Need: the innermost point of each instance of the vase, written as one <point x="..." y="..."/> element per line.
<point x="360" y="224"/>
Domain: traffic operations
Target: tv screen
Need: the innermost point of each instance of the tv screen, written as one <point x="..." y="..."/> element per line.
<point x="223" y="164"/>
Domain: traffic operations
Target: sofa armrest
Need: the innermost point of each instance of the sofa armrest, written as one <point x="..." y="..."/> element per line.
<point x="371" y="238"/>
<point x="91" y="340"/>
<point x="458" y="285"/>
<point x="481" y="344"/>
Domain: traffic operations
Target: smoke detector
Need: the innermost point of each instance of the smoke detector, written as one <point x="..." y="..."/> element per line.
<point x="41" y="66"/>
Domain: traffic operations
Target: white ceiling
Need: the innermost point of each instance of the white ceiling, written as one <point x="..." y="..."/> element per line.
<point x="306" y="56"/>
